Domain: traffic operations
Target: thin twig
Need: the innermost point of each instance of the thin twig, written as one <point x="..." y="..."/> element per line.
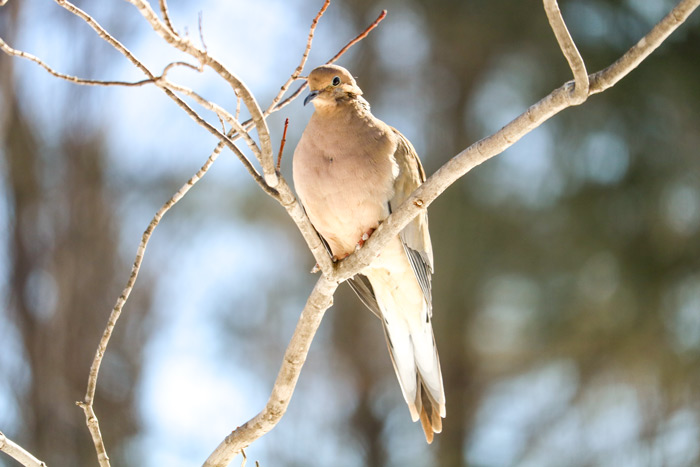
<point x="87" y="82"/>
<point x="580" y="92"/>
<point x="185" y="45"/>
<point x="284" y="140"/>
<point x="238" y="108"/>
<point x="219" y="111"/>
<point x="166" y="16"/>
<point x="201" y="33"/>
<point x="223" y="124"/>
<point x="16" y="451"/>
<point x="297" y="72"/>
<point x="172" y="65"/>
<point x="606" y="78"/>
<point x="106" y="36"/>
<point x="87" y="404"/>
<point x="121" y="301"/>
<point x="360" y="36"/>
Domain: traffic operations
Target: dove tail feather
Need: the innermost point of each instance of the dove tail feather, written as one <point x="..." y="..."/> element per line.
<point x="424" y="395"/>
<point x="430" y="418"/>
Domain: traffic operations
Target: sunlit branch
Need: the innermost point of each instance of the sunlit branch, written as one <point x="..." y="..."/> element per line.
<point x="297" y="72"/>
<point x="609" y="76"/>
<point x="185" y="45"/>
<point x="218" y="110"/>
<point x="16" y="451"/>
<point x="135" y="268"/>
<point x="102" y="33"/>
<point x="319" y="301"/>
<point x="166" y="16"/>
<point x="74" y="79"/>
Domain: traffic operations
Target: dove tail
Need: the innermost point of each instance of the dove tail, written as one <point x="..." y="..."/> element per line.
<point x="417" y="365"/>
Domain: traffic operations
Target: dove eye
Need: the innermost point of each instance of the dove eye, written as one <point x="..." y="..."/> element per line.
<point x="336" y="81"/>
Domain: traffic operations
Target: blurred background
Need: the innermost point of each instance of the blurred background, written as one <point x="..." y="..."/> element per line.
<point x="567" y="283"/>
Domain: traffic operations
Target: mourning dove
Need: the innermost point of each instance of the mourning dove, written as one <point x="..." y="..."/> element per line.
<point x="350" y="170"/>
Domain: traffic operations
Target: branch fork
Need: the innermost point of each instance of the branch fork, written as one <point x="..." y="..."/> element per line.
<point x="581" y="88"/>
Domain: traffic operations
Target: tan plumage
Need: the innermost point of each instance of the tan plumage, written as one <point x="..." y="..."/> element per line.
<point x="350" y="170"/>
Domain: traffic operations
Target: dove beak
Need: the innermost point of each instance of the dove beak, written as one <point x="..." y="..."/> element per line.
<point x="312" y="95"/>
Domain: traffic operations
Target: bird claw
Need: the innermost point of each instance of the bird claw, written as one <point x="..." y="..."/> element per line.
<point x="363" y="239"/>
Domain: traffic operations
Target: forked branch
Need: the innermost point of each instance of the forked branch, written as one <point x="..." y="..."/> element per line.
<point x="580" y="92"/>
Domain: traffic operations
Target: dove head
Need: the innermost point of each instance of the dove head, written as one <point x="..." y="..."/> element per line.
<point x="330" y="84"/>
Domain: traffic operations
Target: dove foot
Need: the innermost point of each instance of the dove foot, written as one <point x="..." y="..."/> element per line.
<point x="363" y="239"/>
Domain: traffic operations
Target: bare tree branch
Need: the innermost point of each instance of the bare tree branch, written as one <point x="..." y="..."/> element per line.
<point x="166" y="85"/>
<point x="319" y="301"/>
<point x="87" y="82"/>
<point x="161" y="82"/>
<point x="16" y="451"/>
<point x="132" y="58"/>
<point x="201" y="33"/>
<point x="568" y="48"/>
<point x="297" y="72"/>
<point x="359" y="37"/>
<point x="282" y="143"/>
<point x="185" y="45"/>
<point x="608" y="77"/>
<point x="218" y="110"/>
<point x="87" y="405"/>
